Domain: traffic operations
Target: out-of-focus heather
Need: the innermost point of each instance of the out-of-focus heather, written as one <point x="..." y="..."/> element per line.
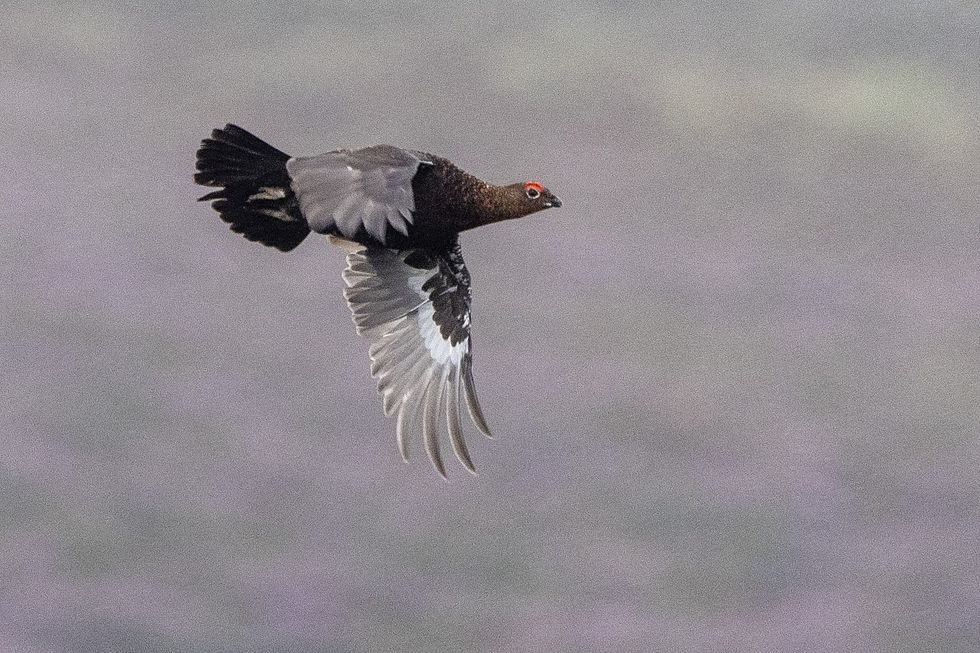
<point x="734" y="379"/>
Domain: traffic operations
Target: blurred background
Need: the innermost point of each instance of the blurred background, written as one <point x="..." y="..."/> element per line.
<point x="734" y="380"/>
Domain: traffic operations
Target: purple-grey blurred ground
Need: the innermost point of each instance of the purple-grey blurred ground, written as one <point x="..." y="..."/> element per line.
<point x="734" y="379"/>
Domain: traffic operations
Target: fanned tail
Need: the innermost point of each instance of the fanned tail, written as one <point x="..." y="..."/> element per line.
<point x="255" y="198"/>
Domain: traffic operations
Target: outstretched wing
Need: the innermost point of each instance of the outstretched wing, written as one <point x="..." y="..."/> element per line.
<point x="343" y="192"/>
<point x="414" y="305"/>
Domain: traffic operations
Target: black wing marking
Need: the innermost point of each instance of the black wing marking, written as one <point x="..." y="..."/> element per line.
<point x="414" y="305"/>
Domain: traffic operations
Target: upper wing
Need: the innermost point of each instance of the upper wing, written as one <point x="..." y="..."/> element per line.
<point x="341" y="192"/>
<point x="414" y="305"/>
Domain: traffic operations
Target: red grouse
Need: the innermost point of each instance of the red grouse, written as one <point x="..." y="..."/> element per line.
<point x="399" y="214"/>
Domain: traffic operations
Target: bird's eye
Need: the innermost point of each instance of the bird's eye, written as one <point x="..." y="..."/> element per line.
<point x="533" y="190"/>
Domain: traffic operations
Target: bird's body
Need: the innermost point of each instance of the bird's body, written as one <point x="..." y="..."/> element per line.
<point x="399" y="213"/>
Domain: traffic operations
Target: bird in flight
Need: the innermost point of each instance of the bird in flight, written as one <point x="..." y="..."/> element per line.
<point x="398" y="213"/>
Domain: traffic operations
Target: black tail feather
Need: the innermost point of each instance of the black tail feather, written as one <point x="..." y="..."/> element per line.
<point x="256" y="198"/>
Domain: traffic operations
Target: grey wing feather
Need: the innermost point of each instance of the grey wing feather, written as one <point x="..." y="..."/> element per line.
<point x="420" y="351"/>
<point x="343" y="191"/>
<point x="455" y="426"/>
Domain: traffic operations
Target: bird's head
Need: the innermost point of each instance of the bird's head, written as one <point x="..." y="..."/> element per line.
<point x="525" y="198"/>
<point x="537" y="197"/>
<point x="515" y="201"/>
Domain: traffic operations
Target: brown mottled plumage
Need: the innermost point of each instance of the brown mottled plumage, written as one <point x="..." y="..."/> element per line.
<point x="399" y="213"/>
<point x="449" y="200"/>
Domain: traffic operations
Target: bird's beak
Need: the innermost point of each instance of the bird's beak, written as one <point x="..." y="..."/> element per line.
<point x="555" y="202"/>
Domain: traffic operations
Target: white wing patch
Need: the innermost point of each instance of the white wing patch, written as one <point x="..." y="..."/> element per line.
<point x="269" y="193"/>
<point x="420" y="353"/>
<point x="439" y="348"/>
